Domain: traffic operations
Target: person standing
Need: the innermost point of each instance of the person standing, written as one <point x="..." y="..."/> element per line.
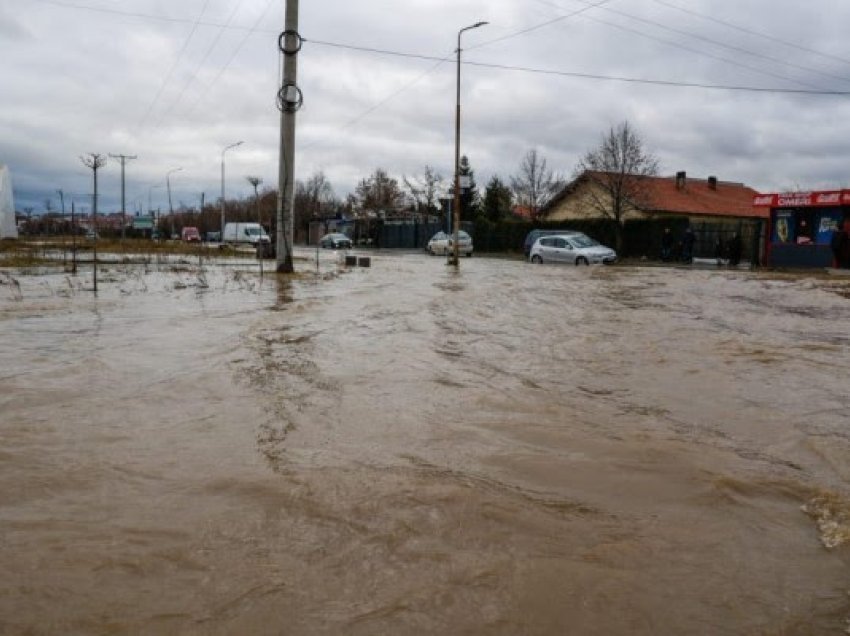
<point x="688" y="241"/>
<point x="838" y="243"/>
<point x="666" y="244"/>
<point x="718" y="250"/>
<point x="734" y="250"/>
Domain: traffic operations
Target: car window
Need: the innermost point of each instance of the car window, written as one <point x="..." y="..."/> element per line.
<point x="583" y="241"/>
<point x="547" y="242"/>
<point x="562" y="243"/>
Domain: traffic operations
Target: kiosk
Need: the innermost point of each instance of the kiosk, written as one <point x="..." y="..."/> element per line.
<point x="801" y="226"/>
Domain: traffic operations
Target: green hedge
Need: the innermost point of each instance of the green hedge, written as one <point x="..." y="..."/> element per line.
<point x="640" y="237"/>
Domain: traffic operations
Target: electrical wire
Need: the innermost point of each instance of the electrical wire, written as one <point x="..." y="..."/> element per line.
<point x="693" y="50"/>
<point x="537" y="26"/>
<point x="174" y="66"/>
<point x="634" y="80"/>
<point x="144" y="16"/>
<point x="696" y="36"/>
<point x="209" y="51"/>
<point x="254" y="29"/>
<point x="766" y="36"/>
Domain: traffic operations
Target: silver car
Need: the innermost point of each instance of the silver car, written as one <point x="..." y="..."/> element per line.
<point x="576" y="249"/>
<point x="441" y="243"/>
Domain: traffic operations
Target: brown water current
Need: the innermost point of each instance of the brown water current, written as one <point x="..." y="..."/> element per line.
<point x="402" y="449"/>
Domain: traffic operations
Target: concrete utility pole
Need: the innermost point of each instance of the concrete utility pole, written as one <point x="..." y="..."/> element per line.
<point x="289" y="101"/>
<point x="94" y="161"/>
<point x="123" y="159"/>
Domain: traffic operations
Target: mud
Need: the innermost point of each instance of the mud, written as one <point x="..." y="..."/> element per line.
<point x="402" y="449"/>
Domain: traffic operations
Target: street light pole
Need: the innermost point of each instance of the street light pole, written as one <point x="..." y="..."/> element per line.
<point x="455" y="259"/>
<point x="238" y="143"/>
<point x="168" y="186"/>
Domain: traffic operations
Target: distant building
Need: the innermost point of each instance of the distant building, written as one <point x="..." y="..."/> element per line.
<point x="678" y="196"/>
<point x="8" y="226"/>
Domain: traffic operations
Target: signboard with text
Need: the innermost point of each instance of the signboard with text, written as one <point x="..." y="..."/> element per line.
<point x="829" y="198"/>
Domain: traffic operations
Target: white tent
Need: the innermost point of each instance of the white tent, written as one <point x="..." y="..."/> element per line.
<point x="8" y="227"/>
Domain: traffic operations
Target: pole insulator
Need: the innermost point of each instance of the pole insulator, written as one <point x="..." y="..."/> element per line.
<point x="284" y="38"/>
<point x="289" y="98"/>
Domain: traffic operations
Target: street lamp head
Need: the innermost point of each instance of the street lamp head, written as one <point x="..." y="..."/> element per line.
<point x="479" y="24"/>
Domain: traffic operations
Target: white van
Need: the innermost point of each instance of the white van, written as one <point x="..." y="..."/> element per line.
<point x="250" y="233"/>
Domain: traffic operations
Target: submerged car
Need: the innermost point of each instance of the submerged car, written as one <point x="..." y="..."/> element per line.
<point x="442" y="243"/>
<point x="335" y="240"/>
<point x="533" y="235"/>
<point x="576" y="249"/>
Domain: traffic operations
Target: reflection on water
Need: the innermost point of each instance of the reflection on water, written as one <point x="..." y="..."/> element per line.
<point x="409" y="449"/>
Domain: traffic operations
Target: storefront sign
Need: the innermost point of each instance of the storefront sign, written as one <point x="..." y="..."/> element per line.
<point x="803" y="199"/>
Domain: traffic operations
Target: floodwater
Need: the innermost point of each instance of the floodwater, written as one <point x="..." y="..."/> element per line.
<point x="402" y="449"/>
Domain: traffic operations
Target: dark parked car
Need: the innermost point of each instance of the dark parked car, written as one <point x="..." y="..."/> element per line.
<point x="536" y="234"/>
<point x="336" y="241"/>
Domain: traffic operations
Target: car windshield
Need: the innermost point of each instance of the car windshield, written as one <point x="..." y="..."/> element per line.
<point x="439" y="236"/>
<point x="583" y="241"/>
<point x="463" y="235"/>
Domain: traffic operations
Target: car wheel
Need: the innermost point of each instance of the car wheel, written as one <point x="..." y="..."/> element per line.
<point x="581" y="260"/>
<point x="469" y="255"/>
<point x="536" y="259"/>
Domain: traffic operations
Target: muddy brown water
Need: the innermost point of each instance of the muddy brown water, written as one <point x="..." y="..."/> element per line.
<point x="403" y="449"/>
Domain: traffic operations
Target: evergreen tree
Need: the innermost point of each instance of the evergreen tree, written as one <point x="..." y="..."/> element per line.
<point x="498" y="200"/>
<point x="470" y="198"/>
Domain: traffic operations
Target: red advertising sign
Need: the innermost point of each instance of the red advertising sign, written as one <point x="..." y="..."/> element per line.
<point x="829" y="198"/>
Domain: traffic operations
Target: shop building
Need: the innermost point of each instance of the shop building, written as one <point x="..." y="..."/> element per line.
<point x="801" y="226"/>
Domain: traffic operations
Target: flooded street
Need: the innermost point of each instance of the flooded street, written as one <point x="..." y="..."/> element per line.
<point x="402" y="449"/>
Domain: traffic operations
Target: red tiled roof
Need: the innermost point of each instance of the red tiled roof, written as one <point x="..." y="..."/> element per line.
<point x="695" y="197"/>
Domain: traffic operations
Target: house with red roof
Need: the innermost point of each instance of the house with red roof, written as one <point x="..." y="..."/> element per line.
<point x="678" y="196"/>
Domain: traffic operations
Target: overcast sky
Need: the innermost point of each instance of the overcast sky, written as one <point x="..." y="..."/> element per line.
<point x="176" y="82"/>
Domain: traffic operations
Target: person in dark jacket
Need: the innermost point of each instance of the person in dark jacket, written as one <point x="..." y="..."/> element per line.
<point x="718" y="251"/>
<point x="734" y="250"/>
<point x="688" y="241"/>
<point x="838" y="243"/>
<point x="666" y="245"/>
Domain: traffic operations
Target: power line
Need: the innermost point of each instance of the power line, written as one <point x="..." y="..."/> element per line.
<point x="194" y="74"/>
<point x="692" y="50"/>
<point x="146" y="16"/>
<point x="696" y="36"/>
<point x="614" y="78"/>
<point x="174" y="66"/>
<point x="248" y="34"/>
<point x="537" y="26"/>
<point x="766" y="36"/>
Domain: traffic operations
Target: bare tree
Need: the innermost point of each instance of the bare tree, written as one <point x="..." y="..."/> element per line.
<point x="379" y="192"/>
<point x="256" y="181"/>
<point x="535" y="184"/>
<point x="618" y="169"/>
<point x="313" y="198"/>
<point x="425" y="190"/>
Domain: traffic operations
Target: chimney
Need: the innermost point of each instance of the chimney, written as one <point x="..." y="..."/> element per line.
<point x="680" y="180"/>
<point x="712" y="183"/>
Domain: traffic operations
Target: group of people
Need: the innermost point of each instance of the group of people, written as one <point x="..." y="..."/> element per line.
<point x="729" y="251"/>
